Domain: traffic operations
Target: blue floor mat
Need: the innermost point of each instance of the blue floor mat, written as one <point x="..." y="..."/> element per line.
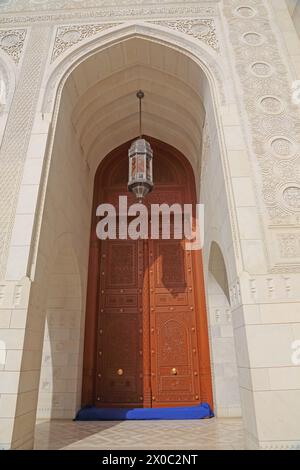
<point x="92" y="413"/>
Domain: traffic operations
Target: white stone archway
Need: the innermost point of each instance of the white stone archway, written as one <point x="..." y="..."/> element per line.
<point x="96" y="111"/>
<point x="73" y="132"/>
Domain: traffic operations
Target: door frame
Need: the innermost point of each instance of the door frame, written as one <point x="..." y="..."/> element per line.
<point x="103" y="173"/>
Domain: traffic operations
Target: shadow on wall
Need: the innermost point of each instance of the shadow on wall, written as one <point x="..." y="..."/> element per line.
<point x="60" y="381"/>
<point x="223" y="357"/>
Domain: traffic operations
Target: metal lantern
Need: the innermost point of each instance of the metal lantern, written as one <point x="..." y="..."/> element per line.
<point x="140" y="161"/>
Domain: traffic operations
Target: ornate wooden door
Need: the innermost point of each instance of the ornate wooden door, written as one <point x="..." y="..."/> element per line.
<point x="146" y="338"/>
<point x="174" y="342"/>
<point x="120" y="324"/>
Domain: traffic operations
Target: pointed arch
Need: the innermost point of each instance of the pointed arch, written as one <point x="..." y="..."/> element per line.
<point x="58" y="72"/>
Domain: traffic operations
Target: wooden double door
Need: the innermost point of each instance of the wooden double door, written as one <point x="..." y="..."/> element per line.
<point x="146" y="340"/>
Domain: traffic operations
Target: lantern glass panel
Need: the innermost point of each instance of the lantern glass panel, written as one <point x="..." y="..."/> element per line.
<point x="141" y="166"/>
<point x="133" y="168"/>
<point x="149" y="169"/>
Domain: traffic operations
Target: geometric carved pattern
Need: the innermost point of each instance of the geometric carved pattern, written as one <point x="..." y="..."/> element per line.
<point x="122" y="265"/>
<point x="18" y="128"/>
<point x="170" y="265"/>
<point x="12" y="42"/>
<point x="119" y="363"/>
<point x="289" y="245"/>
<point x="275" y="122"/>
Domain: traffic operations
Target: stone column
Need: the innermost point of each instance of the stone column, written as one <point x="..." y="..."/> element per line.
<point x="21" y="336"/>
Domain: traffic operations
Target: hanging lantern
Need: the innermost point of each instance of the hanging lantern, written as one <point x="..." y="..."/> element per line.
<point x="140" y="161"/>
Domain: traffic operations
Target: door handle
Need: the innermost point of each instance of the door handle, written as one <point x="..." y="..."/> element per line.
<point x="174" y="371"/>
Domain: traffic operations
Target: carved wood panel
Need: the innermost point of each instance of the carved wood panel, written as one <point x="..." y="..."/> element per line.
<point x="174" y="343"/>
<point x="120" y="342"/>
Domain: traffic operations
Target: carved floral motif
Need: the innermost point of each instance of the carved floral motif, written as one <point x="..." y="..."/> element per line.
<point x="62" y="10"/>
<point x="274" y="120"/>
<point x="289" y="245"/>
<point x="291" y="197"/>
<point x="12" y="42"/>
<point x="67" y="36"/>
<point x="202" y="29"/>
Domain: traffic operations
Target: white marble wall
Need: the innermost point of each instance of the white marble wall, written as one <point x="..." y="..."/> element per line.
<point x="61" y="370"/>
<point x="223" y="357"/>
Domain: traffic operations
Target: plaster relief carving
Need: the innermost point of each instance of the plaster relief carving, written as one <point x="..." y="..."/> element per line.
<point x="282" y="147"/>
<point x="202" y="29"/>
<point x="245" y="12"/>
<point x="67" y="36"/>
<point x="289" y="245"/>
<point x="261" y="69"/>
<point x="12" y="42"/>
<point x="253" y="39"/>
<point x="271" y="105"/>
<point x="291" y="197"/>
<point x="275" y="126"/>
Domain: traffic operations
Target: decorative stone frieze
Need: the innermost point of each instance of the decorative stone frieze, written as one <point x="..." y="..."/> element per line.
<point x="274" y="119"/>
<point x="56" y="12"/>
<point x="202" y="29"/>
<point x="273" y="287"/>
<point x="68" y="36"/>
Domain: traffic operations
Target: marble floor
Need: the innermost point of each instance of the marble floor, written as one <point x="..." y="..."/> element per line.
<point x="215" y="433"/>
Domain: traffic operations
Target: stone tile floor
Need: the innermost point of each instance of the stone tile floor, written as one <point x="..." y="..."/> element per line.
<point x="215" y="433"/>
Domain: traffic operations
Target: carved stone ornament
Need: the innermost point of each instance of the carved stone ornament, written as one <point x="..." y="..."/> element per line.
<point x="274" y="119"/>
<point x="291" y="197"/>
<point x="202" y="29"/>
<point x="55" y="11"/>
<point x="67" y="36"/>
<point x="12" y="42"/>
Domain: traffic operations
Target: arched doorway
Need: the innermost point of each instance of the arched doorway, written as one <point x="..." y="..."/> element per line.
<point x="146" y="339"/>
